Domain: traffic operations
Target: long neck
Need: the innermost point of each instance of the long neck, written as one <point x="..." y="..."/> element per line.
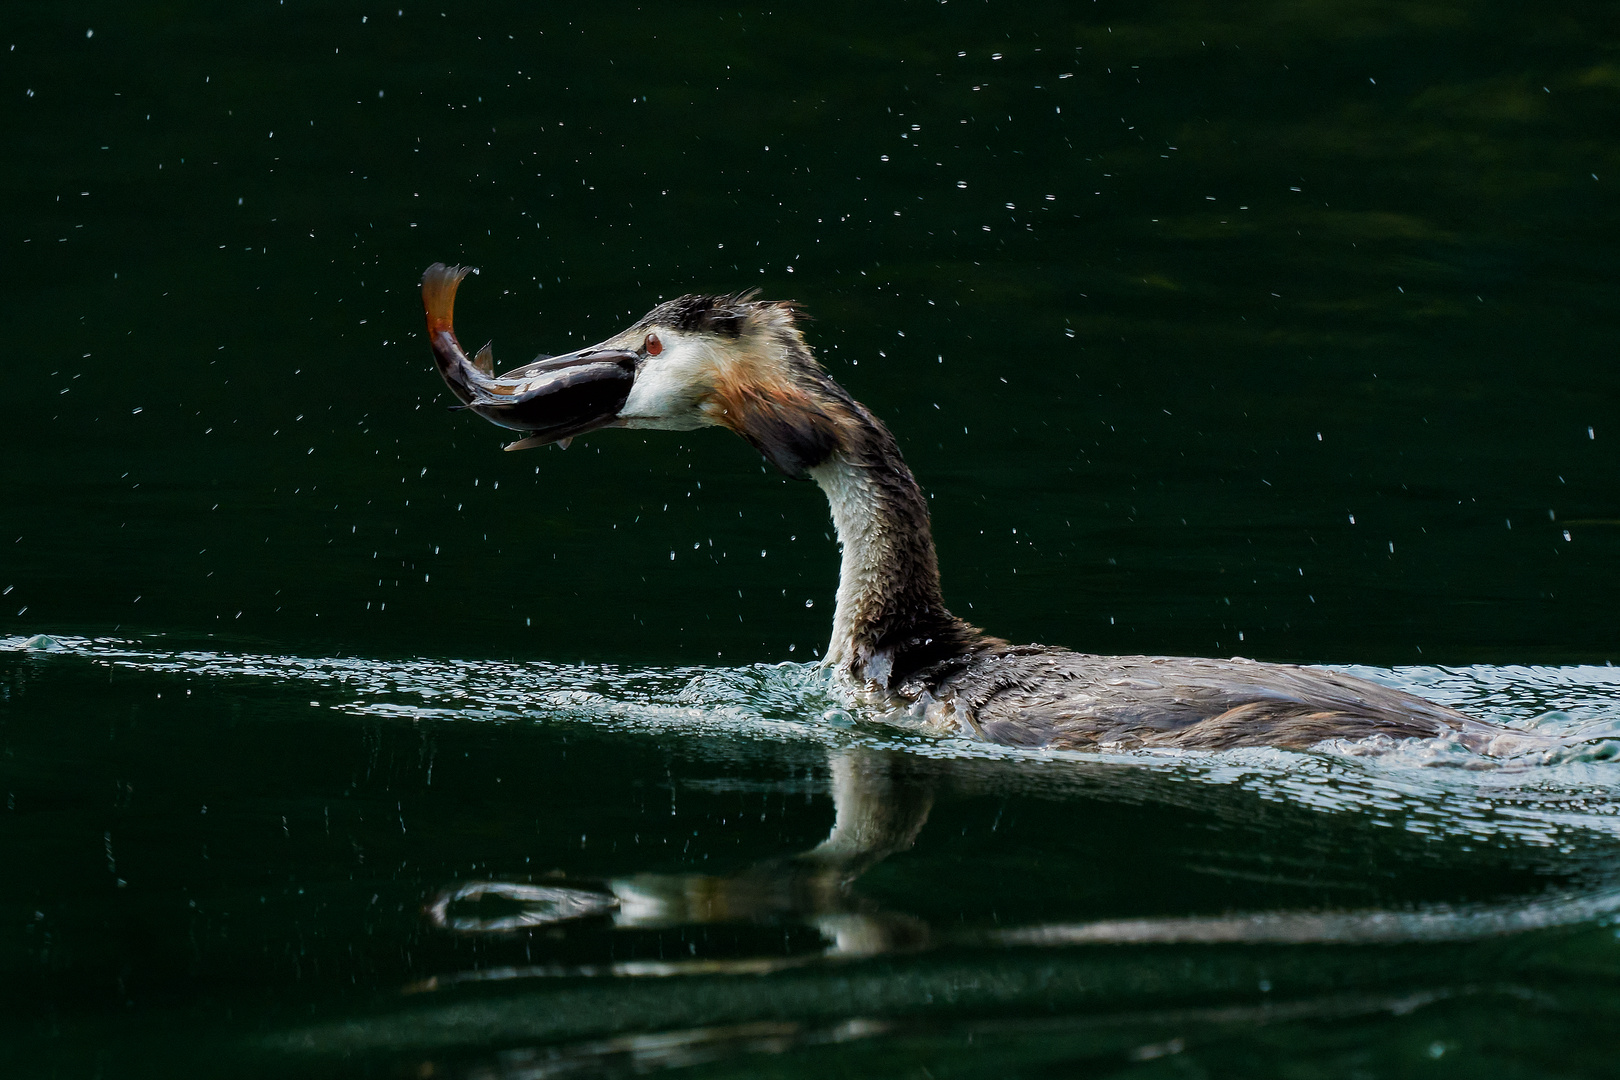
<point x="891" y="619"/>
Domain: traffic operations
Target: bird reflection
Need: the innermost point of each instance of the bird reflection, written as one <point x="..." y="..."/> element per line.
<point x="881" y="804"/>
<point x="882" y="801"/>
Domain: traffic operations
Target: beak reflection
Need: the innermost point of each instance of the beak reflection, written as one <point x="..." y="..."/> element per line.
<point x="498" y="907"/>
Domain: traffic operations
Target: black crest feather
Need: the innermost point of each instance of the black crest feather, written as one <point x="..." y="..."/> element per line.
<point x="703" y="314"/>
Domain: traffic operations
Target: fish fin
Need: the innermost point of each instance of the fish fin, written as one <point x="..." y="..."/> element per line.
<point x="439" y="294"/>
<point x="539" y="440"/>
<point x="530" y="443"/>
<point x="485" y="360"/>
<point x="564" y="444"/>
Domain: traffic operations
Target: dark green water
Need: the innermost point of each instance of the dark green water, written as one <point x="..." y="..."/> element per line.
<point x="1280" y="330"/>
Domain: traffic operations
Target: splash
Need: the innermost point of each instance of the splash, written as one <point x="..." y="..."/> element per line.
<point x="1424" y="786"/>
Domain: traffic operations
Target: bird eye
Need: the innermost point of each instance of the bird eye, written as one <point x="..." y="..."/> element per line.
<point x="652" y="346"/>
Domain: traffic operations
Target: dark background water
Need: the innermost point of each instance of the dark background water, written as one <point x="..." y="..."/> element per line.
<point x="1285" y="330"/>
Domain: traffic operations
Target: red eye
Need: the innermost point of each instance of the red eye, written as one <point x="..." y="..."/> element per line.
<point x="652" y="346"/>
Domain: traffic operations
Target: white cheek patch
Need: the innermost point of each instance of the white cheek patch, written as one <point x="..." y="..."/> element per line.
<point x="656" y="393"/>
<point x="667" y="391"/>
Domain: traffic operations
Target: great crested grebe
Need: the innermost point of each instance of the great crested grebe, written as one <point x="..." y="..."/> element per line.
<point x="740" y="363"/>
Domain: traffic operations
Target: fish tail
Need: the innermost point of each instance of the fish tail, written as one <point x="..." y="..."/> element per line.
<point x="439" y="284"/>
<point x="439" y="296"/>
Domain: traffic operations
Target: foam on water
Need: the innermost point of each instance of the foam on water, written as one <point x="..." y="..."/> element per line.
<point x="1432" y="787"/>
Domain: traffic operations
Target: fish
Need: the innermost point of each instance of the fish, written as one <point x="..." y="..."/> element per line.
<point x="551" y="399"/>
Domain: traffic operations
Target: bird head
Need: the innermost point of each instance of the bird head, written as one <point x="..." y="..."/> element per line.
<point x="729" y="361"/>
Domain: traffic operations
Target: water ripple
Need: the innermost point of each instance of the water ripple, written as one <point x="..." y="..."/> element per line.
<point x="1426" y="787"/>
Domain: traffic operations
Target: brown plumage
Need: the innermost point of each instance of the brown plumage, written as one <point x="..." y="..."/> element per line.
<point x="1034" y="695"/>
<point x="739" y="363"/>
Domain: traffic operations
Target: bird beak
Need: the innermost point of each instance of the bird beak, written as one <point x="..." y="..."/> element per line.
<point x="553" y="399"/>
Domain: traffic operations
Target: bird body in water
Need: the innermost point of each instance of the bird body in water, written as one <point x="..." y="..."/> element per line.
<point x="740" y="363"/>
